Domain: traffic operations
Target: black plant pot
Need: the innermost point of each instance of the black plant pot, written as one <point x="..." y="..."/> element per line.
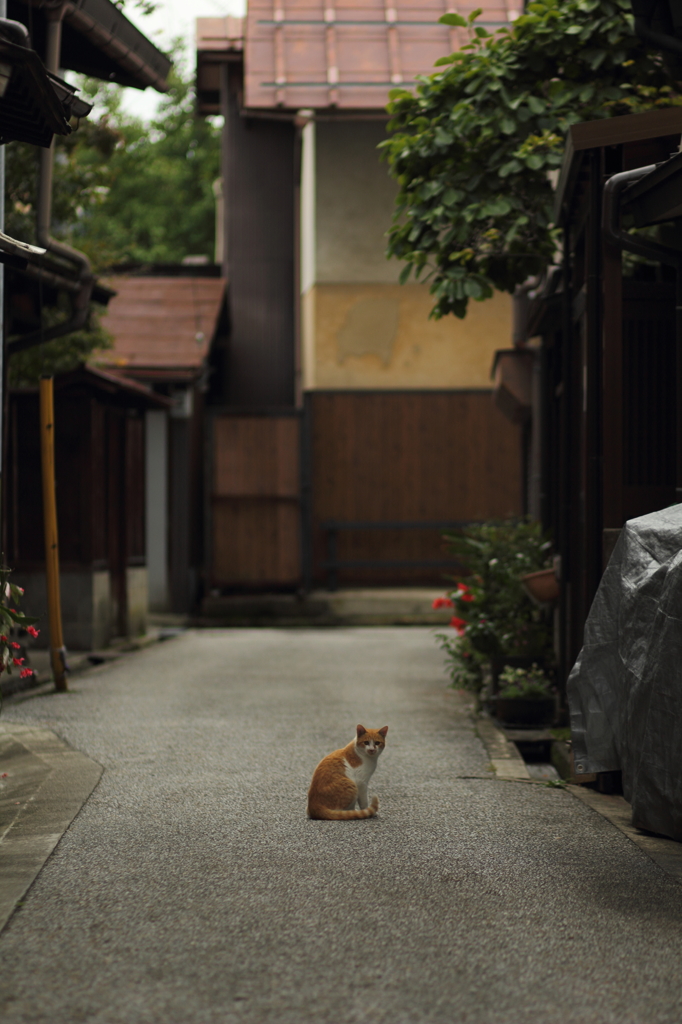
<point x="531" y="711"/>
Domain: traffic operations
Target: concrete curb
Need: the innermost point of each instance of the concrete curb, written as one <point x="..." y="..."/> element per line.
<point x="45" y="785"/>
<point x="667" y="853"/>
<point x="504" y="757"/>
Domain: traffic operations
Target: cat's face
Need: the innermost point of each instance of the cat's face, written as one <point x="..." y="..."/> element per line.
<point x="370" y="742"/>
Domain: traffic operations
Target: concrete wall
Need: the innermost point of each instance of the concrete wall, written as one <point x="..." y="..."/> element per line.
<point x="360" y="328"/>
<point x="86" y="607"/>
<point x="355" y="197"/>
<point x="138" y="600"/>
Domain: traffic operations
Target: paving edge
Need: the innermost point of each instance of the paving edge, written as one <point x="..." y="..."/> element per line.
<point x="504" y="758"/>
<point x="667" y="853"/>
<point x="67" y="781"/>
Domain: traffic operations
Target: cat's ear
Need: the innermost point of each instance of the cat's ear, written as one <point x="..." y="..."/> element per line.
<point x="383" y="731"/>
<point x="361" y="731"/>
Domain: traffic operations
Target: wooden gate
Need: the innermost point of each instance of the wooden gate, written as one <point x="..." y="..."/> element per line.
<point x="255" y="518"/>
<point x="383" y="458"/>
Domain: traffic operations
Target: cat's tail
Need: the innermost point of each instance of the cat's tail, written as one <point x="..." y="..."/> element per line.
<point x="325" y="814"/>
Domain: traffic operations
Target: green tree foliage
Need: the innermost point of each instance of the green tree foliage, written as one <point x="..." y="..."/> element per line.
<point x="62" y="354"/>
<point x="124" y="191"/>
<point x="475" y="149"/>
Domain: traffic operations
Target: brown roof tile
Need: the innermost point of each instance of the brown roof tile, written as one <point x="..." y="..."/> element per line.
<point x="162" y="321"/>
<point x="349" y="53"/>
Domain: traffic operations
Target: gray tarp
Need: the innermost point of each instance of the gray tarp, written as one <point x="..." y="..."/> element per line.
<point x="625" y="690"/>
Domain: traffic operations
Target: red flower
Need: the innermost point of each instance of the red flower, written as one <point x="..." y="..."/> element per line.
<point x="32" y="631"/>
<point x="442" y="602"/>
<point x="458" y="624"/>
<point x="4" y="639"/>
<point x="466" y="597"/>
<point x="463" y="587"/>
<point x="18" y="661"/>
<point x="15" y="645"/>
<point x="25" y="673"/>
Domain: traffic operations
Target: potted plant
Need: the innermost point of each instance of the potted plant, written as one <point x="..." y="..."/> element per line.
<point x="495" y="622"/>
<point x="525" y="697"/>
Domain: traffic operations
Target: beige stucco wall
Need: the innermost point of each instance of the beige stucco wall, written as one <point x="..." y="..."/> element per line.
<point x="360" y="328"/>
<point x="379" y="336"/>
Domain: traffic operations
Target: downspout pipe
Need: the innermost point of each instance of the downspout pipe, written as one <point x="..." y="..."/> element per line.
<point x="613" y="193"/>
<point x="86" y="278"/>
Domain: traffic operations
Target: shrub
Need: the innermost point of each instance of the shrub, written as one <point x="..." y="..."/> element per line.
<point x="493" y="615"/>
<point x="524" y="683"/>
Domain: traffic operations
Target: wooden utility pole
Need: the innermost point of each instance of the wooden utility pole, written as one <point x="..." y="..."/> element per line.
<point x="54" y="607"/>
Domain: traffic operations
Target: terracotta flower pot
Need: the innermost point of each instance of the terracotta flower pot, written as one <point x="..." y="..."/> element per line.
<point x="542" y="586"/>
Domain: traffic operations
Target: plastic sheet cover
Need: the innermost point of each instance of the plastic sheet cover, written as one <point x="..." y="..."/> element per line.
<point x="625" y="690"/>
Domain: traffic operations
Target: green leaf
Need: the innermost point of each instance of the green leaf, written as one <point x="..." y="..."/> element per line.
<point x="475" y="14"/>
<point x="452" y="196"/>
<point x="486" y="128"/>
<point x="511" y="167"/>
<point x="437" y="64"/>
<point x="455" y="20"/>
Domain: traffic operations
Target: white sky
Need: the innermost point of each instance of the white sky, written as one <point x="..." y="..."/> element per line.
<point x="173" y="18"/>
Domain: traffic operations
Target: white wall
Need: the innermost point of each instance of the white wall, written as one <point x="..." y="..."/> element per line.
<point x="156" y="507"/>
<point x="308" y="191"/>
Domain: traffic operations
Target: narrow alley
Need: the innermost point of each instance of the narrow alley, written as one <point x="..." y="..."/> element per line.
<point x="192" y="889"/>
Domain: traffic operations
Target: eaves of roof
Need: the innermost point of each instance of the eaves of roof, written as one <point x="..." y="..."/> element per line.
<point x="34" y="104"/>
<point x="93" y="27"/>
<point x="348" y="55"/>
<point x="119" y="388"/>
<point x="609" y="131"/>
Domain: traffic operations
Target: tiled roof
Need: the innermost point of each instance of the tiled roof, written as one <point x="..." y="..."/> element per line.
<point x="220" y="33"/>
<point x="162" y="321"/>
<point x="350" y="53"/>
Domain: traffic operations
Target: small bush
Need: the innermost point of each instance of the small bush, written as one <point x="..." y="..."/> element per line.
<point x="493" y="615"/>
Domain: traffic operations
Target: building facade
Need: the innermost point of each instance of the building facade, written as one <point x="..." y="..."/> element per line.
<point x="340" y="400"/>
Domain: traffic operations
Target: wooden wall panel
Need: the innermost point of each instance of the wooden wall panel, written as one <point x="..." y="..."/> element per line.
<point x="256" y="456"/>
<point x="255" y="502"/>
<point x="408" y="456"/>
<point x="255" y="542"/>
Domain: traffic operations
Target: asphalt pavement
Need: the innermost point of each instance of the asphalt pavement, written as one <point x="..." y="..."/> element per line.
<point x="192" y="889"/>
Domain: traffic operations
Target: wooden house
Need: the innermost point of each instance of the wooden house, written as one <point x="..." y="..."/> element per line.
<point x="100" y="472"/>
<point x="100" y="434"/>
<point x="168" y="325"/>
<point x="608" y="402"/>
<point x="347" y="427"/>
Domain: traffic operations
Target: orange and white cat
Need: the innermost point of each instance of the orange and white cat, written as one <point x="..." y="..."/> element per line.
<point x="340" y="779"/>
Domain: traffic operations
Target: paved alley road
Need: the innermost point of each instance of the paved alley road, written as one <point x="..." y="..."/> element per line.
<point x="192" y="889"/>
